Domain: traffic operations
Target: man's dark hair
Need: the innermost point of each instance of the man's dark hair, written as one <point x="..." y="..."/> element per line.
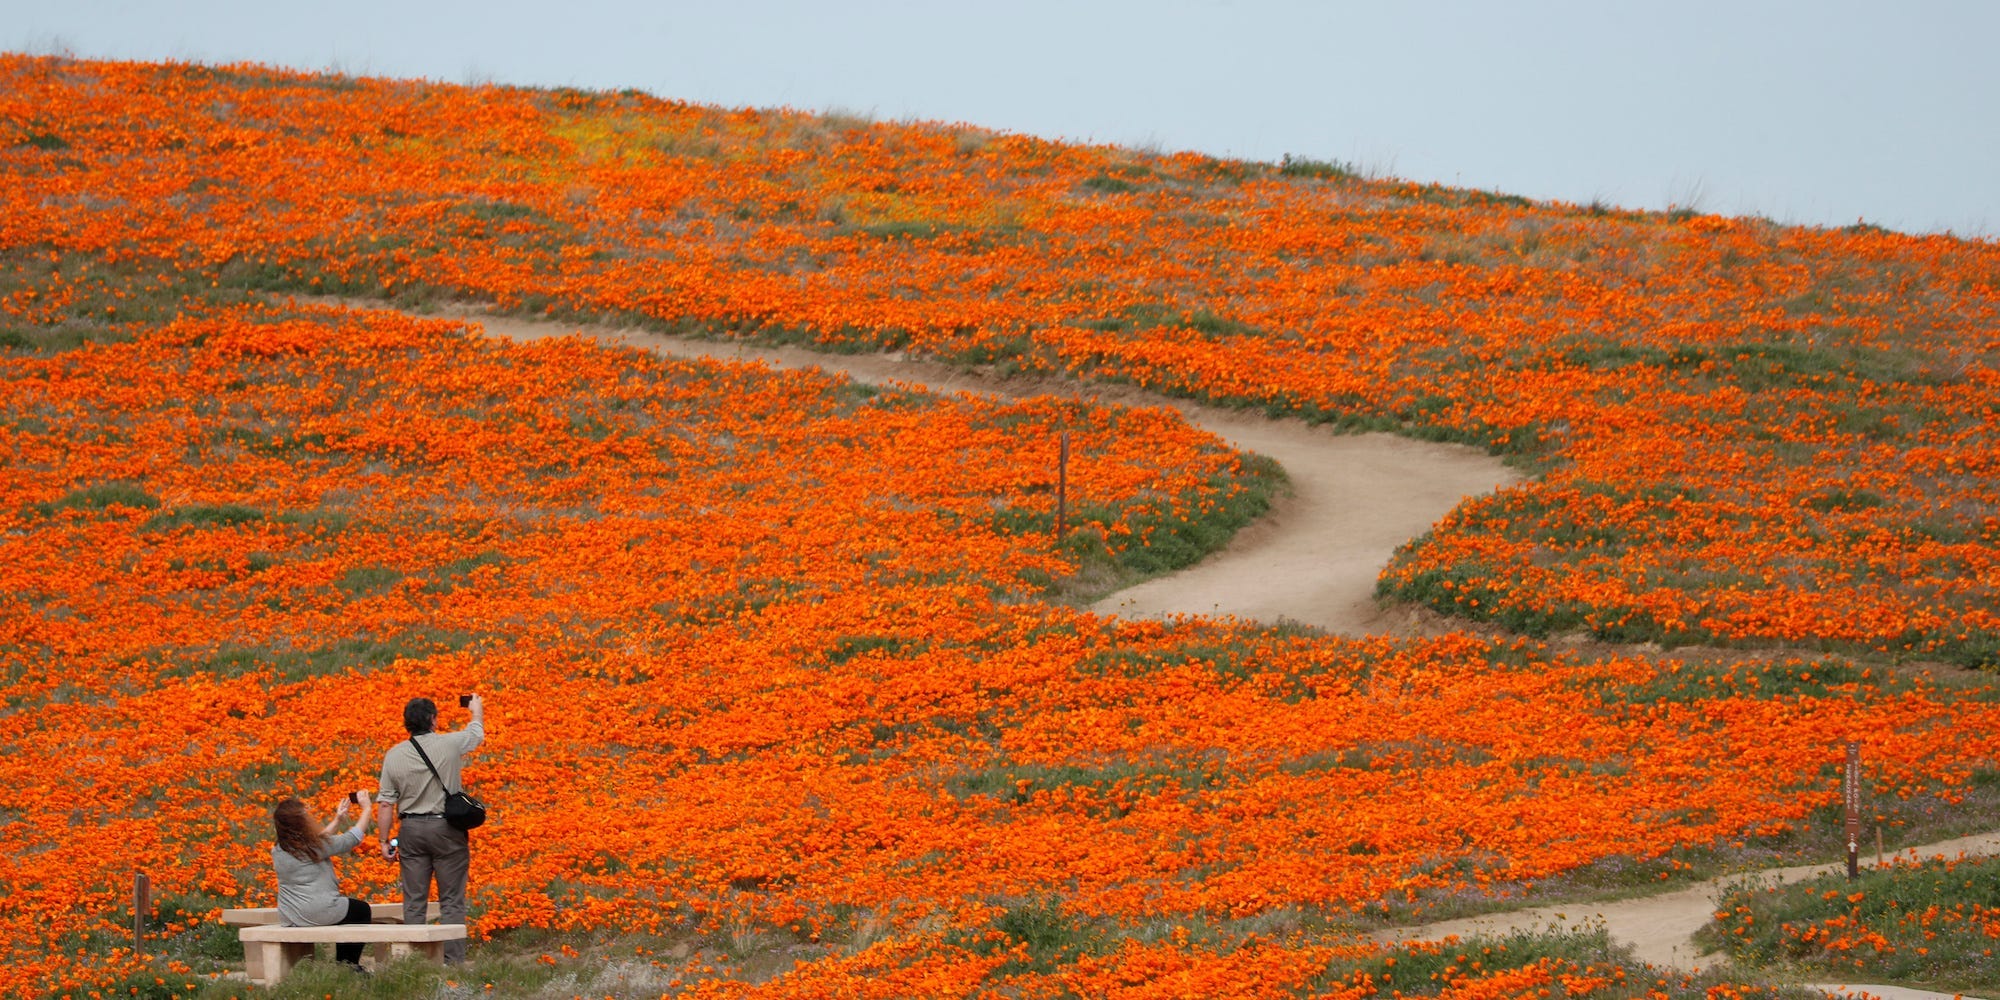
<point x="420" y="716"/>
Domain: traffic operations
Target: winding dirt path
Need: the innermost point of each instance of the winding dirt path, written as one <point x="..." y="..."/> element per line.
<point x="1313" y="559"/>
<point x="1661" y="928"/>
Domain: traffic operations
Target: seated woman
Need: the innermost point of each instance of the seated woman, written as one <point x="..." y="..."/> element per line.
<point x="308" y="892"/>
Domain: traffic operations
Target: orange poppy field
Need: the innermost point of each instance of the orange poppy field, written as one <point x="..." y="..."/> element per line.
<point x="790" y="689"/>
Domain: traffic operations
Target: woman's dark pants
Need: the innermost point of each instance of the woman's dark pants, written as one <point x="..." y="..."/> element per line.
<point x="358" y="912"/>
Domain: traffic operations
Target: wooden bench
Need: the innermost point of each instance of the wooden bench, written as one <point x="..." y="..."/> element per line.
<point x="259" y="916"/>
<point x="282" y="947"/>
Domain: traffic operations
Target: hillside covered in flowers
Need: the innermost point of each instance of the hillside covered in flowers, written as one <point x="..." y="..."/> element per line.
<point x="812" y="644"/>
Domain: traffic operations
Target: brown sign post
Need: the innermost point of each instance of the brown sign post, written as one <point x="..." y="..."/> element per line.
<point x="1851" y="792"/>
<point x="142" y="903"/>
<point x="1062" y="487"/>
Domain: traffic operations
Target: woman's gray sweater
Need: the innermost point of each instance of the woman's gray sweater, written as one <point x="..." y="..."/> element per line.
<point x="308" y="892"/>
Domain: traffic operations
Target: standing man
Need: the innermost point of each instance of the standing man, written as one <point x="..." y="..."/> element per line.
<point x="427" y="845"/>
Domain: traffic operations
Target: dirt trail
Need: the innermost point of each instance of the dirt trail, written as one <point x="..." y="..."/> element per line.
<point x="1661" y="928"/>
<point x="1312" y="560"/>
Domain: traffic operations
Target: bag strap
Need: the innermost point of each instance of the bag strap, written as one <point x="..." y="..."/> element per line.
<point x="433" y="767"/>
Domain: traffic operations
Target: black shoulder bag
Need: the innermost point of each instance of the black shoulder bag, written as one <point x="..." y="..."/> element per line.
<point x="461" y="811"/>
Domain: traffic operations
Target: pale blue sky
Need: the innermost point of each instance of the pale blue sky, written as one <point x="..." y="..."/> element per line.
<point x="1819" y="112"/>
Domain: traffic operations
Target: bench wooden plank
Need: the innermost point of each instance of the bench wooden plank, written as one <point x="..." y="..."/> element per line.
<point x="354" y="932"/>
<point x="390" y="912"/>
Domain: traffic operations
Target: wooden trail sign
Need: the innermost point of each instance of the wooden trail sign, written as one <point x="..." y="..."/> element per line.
<point x="1851" y="793"/>
<point x="142" y="902"/>
<point x="1062" y="487"/>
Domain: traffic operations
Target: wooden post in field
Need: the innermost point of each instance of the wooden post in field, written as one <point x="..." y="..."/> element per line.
<point x="1851" y="789"/>
<point x="142" y="903"/>
<point x="1062" y="487"/>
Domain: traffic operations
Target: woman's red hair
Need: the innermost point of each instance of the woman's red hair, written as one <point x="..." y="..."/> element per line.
<point x="296" y="835"/>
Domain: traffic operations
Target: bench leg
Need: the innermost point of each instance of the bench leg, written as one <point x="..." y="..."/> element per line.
<point x="277" y="958"/>
<point x="267" y="962"/>
<point x="433" y="950"/>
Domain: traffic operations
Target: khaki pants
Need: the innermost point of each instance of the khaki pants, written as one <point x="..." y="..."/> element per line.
<point x="430" y="848"/>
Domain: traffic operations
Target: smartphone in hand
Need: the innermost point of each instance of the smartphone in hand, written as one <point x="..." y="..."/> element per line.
<point x="465" y="701"/>
<point x="354" y="798"/>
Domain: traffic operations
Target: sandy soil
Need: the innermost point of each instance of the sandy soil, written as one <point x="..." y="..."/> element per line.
<point x="1312" y="560"/>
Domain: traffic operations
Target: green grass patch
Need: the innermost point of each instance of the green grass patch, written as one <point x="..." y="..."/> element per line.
<point x="362" y="581"/>
<point x="1160" y="538"/>
<point x="360" y="654"/>
<point x="908" y="230"/>
<point x="1107" y="184"/>
<point x="853" y="646"/>
<point x="1423" y="970"/>
<point x="202" y="516"/>
<point x="1751" y="365"/>
<point x="1699" y="683"/>
<point x="101" y="496"/>
<point x="319" y="522"/>
<point x="1325" y="170"/>
<point x="117" y="298"/>
<point x="1472" y="590"/>
<point x="1581" y="961"/>
<point x="1833" y="500"/>
<point x="1157" y="315"/>
<point x="56" y="339"/>
<point x="1111" y="785"/>
<point x="458" y="573"/>
<point x="1036" y="936"/>
<point x="1931" y="924"/>
<point x="276" y="444"/>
